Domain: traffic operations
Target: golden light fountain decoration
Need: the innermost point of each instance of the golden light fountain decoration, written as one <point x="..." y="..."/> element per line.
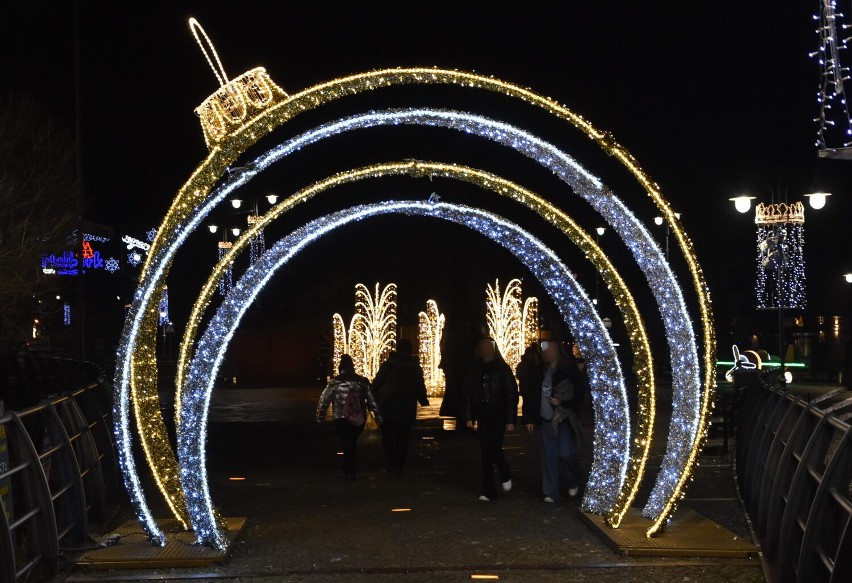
<point x="372" y="331"/>
<point x="430" y="332"/>
<point x="512" y="321"/>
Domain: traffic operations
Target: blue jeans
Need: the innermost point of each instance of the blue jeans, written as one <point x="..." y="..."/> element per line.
<point x="560" y="448"/>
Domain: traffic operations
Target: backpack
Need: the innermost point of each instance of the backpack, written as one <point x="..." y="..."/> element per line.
<point x="352" y="409"/>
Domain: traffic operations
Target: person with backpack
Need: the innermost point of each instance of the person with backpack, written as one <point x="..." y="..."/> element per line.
<point x="491" y="400"/>
<point x="398" y="387"/>
<point x="551" y="402"/>
<point x="350" y="396"/>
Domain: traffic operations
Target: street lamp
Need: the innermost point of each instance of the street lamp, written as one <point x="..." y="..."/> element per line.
<point x="235" y="232"/>
<point x="659" y="222"/>
<point x="847" y="277"/>
<point x="236" y="203"/>
<point x="780" y="241"/>
<point x="272" y="198"/>
<point x="742" y="203"/>
<point x="213" y="228"/>
<point x="816" y="200"/>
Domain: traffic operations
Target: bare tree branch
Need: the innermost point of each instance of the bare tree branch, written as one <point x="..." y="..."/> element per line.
<point x="40" y="203"/>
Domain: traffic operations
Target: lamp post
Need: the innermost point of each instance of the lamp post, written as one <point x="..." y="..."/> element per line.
<point x="659" y="222"/>
<point x="598" y="234"/>
<point x="780" y="241"/>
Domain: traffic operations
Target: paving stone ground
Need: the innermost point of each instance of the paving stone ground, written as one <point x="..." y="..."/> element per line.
<point x="307" y="524"/>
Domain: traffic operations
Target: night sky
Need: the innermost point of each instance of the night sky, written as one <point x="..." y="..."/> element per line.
<point x="713" y="99"/>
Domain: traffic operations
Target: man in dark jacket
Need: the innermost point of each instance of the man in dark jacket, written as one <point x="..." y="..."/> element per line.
<point x="491" y="399"/>
<point x="552" y="396"/>
<point x="399" y="386"/>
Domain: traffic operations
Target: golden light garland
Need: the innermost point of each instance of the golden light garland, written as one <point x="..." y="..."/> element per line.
<point x="429" y="334"/>
<point x="639" y="343"/>
<point x="372" y="332"/>
<point x="512" y="321"/>
<point x="141" y="372"/>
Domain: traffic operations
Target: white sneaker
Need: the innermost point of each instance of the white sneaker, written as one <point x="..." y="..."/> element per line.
<point x="573" y="492"/>
<point x="549" y="500"/>
<point x="484" y="498"/>
<point x="507" y="485"/>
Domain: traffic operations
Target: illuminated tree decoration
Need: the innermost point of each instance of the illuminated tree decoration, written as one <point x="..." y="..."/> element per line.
<point x="512" y="322"/>
<point x="374" y="325"/>
<point x="136" y="378"/>
<point x="780" y="255"/>
<point x="834" y="117"/>
<point x="372" y="332"/>
<point x="430" y="331"/>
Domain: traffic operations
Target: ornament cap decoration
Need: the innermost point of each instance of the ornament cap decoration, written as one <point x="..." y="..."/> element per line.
<point x="237" y="100"/>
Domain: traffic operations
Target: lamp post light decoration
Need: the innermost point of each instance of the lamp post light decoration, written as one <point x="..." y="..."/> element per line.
<point x="512" y="321"/>
<point x="430" y="332"/>
<point x="371" y="336"/>
<point x="780" y="282"/>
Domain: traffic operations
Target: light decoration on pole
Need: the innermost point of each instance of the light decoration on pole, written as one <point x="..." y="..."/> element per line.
<point x="227" y="281"/>
<point x="258" y="241"/>
<point x="611" y="447"/>
<point x="136" y="370"/>
<point x="66" y="314"/>
<point x="372" y="331"/>
<point x="780" y="255"/>
<point x="512" y="321"/>
<point x="834" y="117"/>
<point x="430" y="330"/>
<point x="163" y="310"/>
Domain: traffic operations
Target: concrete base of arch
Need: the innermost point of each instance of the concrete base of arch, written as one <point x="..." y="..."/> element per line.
<point x="135" y="552"/>
<point x="688" y="535"/>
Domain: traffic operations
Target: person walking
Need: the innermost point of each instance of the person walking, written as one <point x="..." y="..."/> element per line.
<point x="350" y="397"/>
<point x="491" y="400"/>
<point x="550" y="402"/>
<point x="399" y="386"/>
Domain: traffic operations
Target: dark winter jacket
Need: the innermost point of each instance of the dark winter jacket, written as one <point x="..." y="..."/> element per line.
<point x="490" y="391"/>
<point x="338" y="389"/>
<point x="531" y="380"/>
<point x="399" y="386"/>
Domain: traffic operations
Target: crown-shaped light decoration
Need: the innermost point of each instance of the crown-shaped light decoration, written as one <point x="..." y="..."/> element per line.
<point x="779" y="212"/>
<point x="236" y="100"/>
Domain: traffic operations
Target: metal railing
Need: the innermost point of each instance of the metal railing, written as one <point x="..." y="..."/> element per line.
<point x="59" y="473"/>
<point x="794" y="470"/>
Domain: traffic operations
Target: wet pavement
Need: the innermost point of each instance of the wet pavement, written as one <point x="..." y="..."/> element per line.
<point x="305" y="523"/>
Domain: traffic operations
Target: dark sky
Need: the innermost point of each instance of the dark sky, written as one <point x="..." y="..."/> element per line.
<point x="713" y="99"/>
